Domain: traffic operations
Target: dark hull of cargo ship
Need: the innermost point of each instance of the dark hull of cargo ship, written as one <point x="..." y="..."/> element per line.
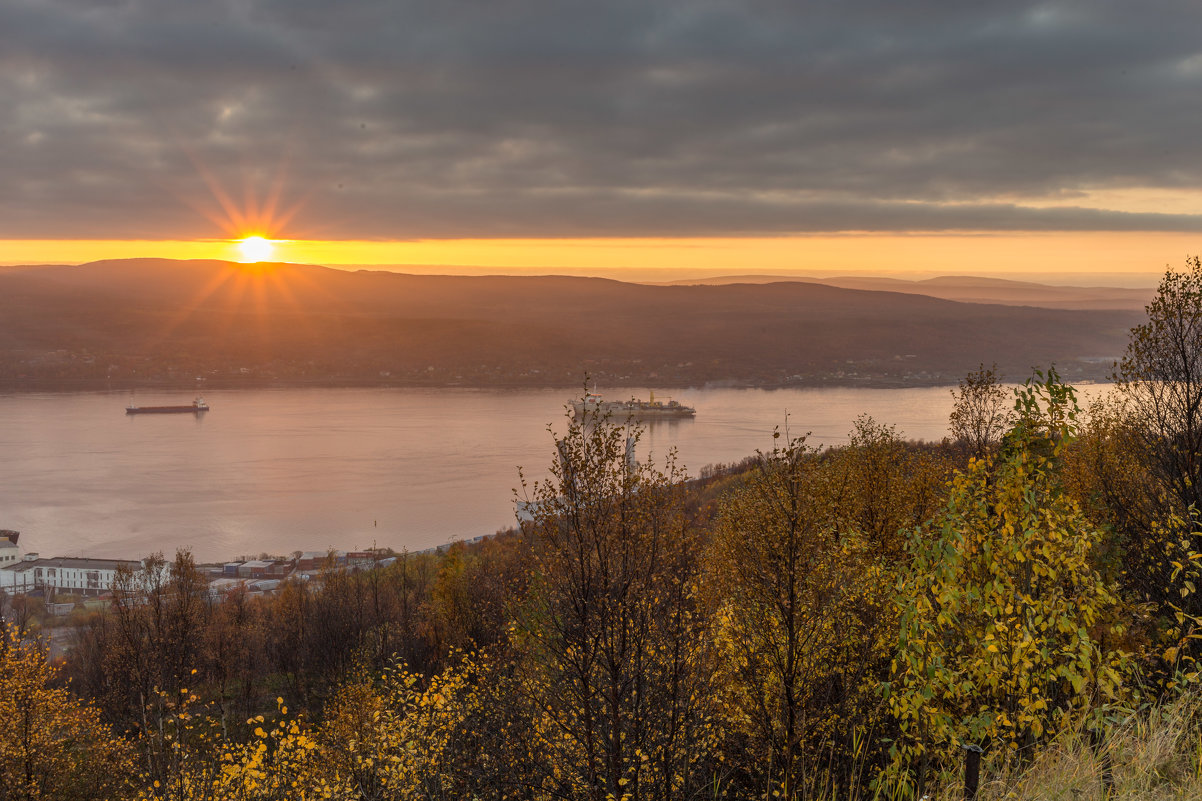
<point x="166" y="409"/>
<point x="195" y="407"/>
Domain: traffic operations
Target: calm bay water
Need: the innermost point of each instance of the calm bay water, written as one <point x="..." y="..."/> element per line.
<point x="295" y="469"/>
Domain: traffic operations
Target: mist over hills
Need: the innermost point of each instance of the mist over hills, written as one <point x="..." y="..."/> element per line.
<point x="162" y="322"/>
<point x="972" y="289"/>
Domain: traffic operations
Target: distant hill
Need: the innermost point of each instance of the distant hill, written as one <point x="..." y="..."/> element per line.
<point x="968" y="289"/>
<point x="148" y="321"/>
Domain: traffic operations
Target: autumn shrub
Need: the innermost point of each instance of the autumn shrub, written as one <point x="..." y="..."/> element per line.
<point x="801" y="631"/>
<point x="52" y="745"/>
<point x="393" y="736"/>
<point x="879" y="486"/>
<point x="611" y="653"/>
<point x="1008" y="630"/>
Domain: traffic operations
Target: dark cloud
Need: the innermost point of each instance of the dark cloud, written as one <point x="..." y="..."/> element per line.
<point x="391" y="119"/>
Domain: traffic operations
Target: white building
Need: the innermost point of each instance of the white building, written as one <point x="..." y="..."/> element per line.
<point x="9" y="552"/>
<point x="62" y="575"/>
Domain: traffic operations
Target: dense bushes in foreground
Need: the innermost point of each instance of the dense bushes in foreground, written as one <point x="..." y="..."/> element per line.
<point x="816" y="624"/>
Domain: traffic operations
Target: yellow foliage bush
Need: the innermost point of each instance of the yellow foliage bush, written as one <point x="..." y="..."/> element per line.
<point x="52" y="745"/>
<point x="1008" y="629"/>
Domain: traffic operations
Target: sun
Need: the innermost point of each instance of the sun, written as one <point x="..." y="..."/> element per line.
<point x="255" y="248"/>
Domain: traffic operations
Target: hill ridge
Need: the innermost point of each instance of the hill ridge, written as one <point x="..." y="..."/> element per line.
<point x="153" y="320"/>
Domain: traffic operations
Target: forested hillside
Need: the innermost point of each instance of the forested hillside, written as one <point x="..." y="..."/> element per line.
<point x="154" y="321"/>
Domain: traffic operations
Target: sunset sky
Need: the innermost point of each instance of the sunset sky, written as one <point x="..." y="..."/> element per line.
<point x="1054" y="139"/>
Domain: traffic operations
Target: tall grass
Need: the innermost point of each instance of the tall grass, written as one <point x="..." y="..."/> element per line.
<point x="1156" y="754"/>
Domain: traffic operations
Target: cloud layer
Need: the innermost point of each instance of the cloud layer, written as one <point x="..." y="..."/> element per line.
<point x="394" y="119"/>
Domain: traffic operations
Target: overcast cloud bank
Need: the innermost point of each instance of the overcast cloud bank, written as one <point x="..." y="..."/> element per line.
<point x="382" y="120"/>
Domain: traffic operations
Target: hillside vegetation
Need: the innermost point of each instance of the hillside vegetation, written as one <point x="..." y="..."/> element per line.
<point x="809" y="624"/>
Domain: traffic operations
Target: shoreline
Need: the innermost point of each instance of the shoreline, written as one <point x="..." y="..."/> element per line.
<point x="33" y="386"/>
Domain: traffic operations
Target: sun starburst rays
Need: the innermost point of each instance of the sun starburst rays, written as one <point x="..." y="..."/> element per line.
<point x="246" y="303"/>
<point x="251" y="225"/>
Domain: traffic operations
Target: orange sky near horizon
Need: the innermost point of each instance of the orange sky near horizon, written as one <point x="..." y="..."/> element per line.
<point x="1020" y="254"/>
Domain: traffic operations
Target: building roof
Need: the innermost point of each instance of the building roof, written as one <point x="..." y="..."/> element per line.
<point x="72" y="561"/>
<point x="321" y="554"/>
<point x="7" y="544"/>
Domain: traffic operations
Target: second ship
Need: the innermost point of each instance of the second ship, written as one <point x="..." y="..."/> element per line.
<point x="633" y="408"/>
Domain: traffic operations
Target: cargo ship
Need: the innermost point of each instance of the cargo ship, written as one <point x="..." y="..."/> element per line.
<point x="195" y="407"/>
<point x="633" y="408"/>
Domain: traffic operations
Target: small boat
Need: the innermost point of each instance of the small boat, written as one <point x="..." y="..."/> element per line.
<point x="633" y="408"/>
<point x="195" y="407"/>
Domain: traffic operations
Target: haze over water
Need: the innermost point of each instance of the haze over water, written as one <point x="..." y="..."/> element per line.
<point x="285" y="470"/>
